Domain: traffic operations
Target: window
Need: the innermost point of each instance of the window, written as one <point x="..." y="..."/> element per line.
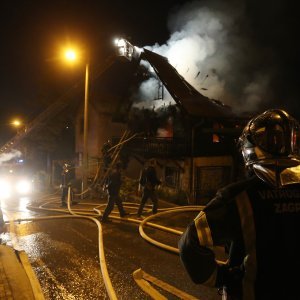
<point x="172" y="177"/>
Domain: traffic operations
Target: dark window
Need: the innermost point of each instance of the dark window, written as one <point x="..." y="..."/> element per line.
<point x="172" y="177"/>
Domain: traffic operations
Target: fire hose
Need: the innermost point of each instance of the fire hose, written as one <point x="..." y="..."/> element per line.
<point x="86" y="214"/>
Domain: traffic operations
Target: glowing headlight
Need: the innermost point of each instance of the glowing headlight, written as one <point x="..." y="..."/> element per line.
<point x="5" y="189"/>
<point x="23" y="187"/>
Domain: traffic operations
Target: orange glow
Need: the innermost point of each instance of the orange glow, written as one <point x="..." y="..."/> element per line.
<point x="16" y="123"/>
<point x="216" y="138"/>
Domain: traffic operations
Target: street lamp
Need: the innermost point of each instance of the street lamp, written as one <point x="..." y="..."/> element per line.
<point x="19" y="125"/>
<point x="16" y="123"/>
<point x="21" y="129"/>
<point x="71" y="56"/>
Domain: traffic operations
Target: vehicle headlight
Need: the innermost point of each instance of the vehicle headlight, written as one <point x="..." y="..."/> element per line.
<point x="23" y="187"/>
<point x="5" y="188"/>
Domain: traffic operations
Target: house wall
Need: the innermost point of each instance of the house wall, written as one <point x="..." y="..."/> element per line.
<point x="213" y="161"/>
<point x="207" y="175"/>
<point x="133" y="169"/>
<point x="210" y="174"/>
<point x="185" y="175"/>
<point x="100" y="129"/>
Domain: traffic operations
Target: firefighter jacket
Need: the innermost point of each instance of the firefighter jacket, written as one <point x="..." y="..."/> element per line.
<point x="149" y="178"/>
<point x="65" y="178"/>
<point x="261" y="226"/>
<point x="114" y="183"/>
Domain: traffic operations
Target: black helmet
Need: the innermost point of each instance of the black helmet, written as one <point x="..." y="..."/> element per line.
<point x="271" y="140"/>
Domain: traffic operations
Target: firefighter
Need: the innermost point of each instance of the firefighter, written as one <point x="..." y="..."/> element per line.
<point x="149" y="182"/>
<point x="106" y="155"/>
<point x="2" y="223"/>
<point x="258" y="217"/>
<point x="114" y="183"/>
<point x="65" y="183"/>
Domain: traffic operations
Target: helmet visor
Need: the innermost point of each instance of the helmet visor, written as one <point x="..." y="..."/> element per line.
<point x="276" y="135"/>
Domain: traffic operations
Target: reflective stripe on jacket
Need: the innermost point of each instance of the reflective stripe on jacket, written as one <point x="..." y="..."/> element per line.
<point x="261" y="226"/>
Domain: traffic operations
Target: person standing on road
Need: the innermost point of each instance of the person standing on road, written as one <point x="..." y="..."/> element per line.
<point x="114" y="183"/>
<point x="2" y="223"/>
<point x="259" y="217"/>
<point x="65" y="183"/>
<point x="106" y="155"/>
<point x="149" y="182"/>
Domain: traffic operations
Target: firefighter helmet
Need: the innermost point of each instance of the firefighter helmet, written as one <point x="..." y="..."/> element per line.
<point x="270" y="144"/>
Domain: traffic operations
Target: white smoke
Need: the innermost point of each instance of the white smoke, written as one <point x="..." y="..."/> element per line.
<point x="209" y="46"/>
<point x="10" y="155"/>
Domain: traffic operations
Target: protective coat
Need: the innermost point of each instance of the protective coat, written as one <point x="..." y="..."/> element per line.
<point x="261" y="227"/>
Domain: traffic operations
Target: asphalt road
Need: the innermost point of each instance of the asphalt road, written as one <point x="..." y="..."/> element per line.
<point x="64" y="253"/>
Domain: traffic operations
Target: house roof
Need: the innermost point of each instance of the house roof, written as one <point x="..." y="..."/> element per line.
<point x="185" y="95"/>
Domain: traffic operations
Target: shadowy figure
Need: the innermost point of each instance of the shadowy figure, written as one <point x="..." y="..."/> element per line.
<point x="149" y="181"/>
<point x="2" y="223"/>
<point x="106" y="155"/>
<point x="66" y="177"/>
<point x="114" y="183"/>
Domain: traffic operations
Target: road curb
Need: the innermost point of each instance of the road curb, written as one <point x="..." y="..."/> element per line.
<point x="17" y="280"/>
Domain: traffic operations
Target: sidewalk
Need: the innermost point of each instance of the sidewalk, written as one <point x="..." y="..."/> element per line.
<point x="17" y="279"/>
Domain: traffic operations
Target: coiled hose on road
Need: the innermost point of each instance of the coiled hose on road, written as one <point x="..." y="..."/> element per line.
<point x="92" y="216"/>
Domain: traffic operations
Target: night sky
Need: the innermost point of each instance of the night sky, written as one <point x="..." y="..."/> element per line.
<point x="246" y="52"/>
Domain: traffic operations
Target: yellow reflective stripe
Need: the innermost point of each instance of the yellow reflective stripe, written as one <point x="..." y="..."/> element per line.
<point x="203" y="230"/>
<point x="249" y="235"/>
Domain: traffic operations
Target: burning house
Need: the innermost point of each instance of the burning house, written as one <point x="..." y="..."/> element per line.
<point x="193" y="138"/>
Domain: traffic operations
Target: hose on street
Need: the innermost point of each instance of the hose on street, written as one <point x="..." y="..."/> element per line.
<point x="95" y="212"/>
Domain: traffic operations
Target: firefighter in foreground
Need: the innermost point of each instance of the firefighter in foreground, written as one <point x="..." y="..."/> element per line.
<point x="258" y="217"/>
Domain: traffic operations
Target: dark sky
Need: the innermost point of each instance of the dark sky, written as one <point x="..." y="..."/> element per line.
<point x="32" y="32"/>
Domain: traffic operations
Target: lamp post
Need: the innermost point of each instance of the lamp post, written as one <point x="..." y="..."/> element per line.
<point x="85" y="128"/>
<point x="71" y="56"/>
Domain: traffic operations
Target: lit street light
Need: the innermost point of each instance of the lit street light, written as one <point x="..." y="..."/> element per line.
<point x="21" y="129"/>
<point x="71" y="56"/>
<point x="16" y="123"/>
<point x="19" y="125"/>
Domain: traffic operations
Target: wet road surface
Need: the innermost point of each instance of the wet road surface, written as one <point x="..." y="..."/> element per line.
<point x="64" y="252"/>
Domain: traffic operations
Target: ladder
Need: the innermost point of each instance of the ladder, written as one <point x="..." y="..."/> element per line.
<point x="102" y="172"/>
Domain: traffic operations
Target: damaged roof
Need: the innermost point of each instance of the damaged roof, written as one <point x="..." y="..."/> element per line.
<point x="185" y="95"/>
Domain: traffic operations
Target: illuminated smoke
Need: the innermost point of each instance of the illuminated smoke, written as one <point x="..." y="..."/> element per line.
<point x="8" y="156"/>
<point x="209" y="46"/>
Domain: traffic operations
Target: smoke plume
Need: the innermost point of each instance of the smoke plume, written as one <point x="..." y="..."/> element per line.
<point x="210" y="45"/>
<point x="8" y="156"/>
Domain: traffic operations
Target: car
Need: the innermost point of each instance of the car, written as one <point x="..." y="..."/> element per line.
<point x="12" y="183"/>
